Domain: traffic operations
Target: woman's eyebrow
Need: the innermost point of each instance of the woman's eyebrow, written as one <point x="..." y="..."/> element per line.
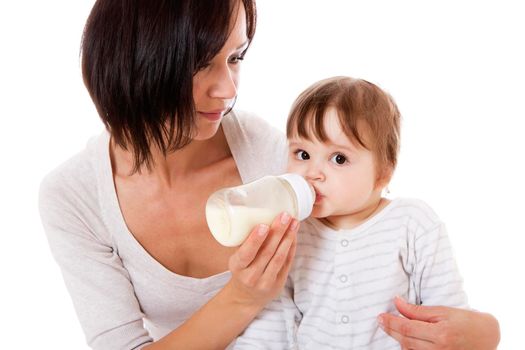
<point x="242" y="45"/>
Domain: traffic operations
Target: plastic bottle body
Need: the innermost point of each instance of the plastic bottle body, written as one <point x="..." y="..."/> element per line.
<point x="233" y="212"/>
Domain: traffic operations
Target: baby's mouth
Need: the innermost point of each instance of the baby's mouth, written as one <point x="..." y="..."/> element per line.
<point x="318" y="196"/>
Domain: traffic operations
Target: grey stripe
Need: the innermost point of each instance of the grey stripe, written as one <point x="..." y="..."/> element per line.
<point x="259" y="340"/>
<point x="369" y="331"/>
<point x="443" y="285"/>
<point x="375" y="245"/>
<point x="368" y="269"/>
<point x="326" y="297"/>
<point x="316" y="258"/>
<point x="351" y="284"/>
<point x="420" y="210"/>
<point x="370" y="281"/>
<point x="361" y="259"/>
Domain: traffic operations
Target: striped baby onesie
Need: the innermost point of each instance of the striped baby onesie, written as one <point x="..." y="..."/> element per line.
<point x="341" y="280"/>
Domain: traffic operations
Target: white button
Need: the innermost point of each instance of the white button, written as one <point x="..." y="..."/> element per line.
<point x="343" y="278"/>
<point x="345" y="319"/>
<point x="344" y="243"/>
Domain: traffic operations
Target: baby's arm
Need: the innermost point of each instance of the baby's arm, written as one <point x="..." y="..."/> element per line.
<point x="436" y="275"/>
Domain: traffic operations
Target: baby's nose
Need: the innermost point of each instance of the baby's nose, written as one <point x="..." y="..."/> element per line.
<point x="315" y="174"/>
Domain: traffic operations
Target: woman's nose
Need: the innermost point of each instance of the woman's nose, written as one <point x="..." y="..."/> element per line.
<point x="224" y="85"/>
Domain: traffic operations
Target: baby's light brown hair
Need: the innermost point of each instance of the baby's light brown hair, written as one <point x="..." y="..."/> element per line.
<point x="368" y="116"/>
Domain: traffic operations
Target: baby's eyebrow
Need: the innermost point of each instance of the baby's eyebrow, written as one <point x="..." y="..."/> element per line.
<point x="294" y="144"/>
<point x="344" y="147"/>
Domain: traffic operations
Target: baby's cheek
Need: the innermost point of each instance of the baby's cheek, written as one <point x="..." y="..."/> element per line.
<point x="349" y="196"/>
<point x="292" y="168"/>
<point x="317" y="213"/>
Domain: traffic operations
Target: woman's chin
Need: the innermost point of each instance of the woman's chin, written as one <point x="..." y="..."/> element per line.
<point x="206" y="132"/>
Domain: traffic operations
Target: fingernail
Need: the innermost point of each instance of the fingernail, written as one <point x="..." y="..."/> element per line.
<point x="400" y="299"/>
<point x="294" y="225"/>
<point x="285" y="218"/>
<point x="263" y="230"/>
<point x="380" y="321"/>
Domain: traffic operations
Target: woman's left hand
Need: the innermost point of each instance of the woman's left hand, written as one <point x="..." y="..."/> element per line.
<point x="440" y="328"/>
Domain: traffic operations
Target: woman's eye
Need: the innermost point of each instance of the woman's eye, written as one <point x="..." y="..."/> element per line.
<point x="236" y="59"/>
<point x="339" y="159"/>
<point x="302" y="155"/>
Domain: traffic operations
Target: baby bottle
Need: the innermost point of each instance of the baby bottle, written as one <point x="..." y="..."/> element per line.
<point x="233" y="212"/>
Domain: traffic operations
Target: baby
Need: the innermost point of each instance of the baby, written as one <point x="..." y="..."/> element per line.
<point x="358" y="250"/>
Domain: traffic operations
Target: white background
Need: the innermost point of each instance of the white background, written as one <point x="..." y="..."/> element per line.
<point x="456" y="69"/>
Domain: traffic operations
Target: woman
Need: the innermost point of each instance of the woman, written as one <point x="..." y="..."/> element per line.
<point x="125" y="217"/>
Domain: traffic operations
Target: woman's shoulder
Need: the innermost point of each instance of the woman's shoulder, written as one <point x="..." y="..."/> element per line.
<point x="70" y="197"/>
<point x="259" y="148"/>
<point x="75" y="179"/>
<point x="250" y="124"/>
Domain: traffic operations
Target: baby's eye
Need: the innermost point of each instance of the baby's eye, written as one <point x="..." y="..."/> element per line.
<point x="339" y="159"/>
<point x="302" y="155"/>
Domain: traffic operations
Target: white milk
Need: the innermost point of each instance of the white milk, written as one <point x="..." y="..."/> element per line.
<point x="231" y="229"/>
<point x="232" y="213"/>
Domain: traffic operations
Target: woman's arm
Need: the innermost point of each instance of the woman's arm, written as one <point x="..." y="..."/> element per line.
<point x="103" y="294"/>
<point x="439" y="327"/>
<point x="98" y="283"/>
<point x="259" y="270"/>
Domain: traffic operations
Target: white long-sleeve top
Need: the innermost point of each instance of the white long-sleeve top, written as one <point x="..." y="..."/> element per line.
<point x="341" y="280"/>
<point x="123" y="297"/>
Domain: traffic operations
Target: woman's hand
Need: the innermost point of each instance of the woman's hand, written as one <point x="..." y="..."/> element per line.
<point x="440" y="327"/>
<point x="260" y="266"/>
<point x="259" y="270"/>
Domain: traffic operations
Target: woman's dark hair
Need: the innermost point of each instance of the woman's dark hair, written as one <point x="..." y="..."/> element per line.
<point x="138" y="62"/>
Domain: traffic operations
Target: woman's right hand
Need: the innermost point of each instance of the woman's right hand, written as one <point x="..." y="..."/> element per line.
<point x="259" y="270"/>
<point x="260" y="266"/>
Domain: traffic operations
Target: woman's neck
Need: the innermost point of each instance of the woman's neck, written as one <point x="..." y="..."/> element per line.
<point x="182" y="163"/>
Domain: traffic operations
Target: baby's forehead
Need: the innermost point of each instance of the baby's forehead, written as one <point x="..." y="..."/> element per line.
<point x="340" y="141"/>
<point x="328" y="129"/>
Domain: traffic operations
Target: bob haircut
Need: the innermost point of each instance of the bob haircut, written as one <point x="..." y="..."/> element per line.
<point x="138" y="62"/>
<point x="369" y="117"/>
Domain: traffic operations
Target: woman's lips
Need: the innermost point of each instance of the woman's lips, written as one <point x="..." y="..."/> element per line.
<point x="212" y="115"/>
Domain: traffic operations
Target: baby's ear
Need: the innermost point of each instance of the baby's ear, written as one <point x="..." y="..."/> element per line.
<point x="384" y="177"/>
